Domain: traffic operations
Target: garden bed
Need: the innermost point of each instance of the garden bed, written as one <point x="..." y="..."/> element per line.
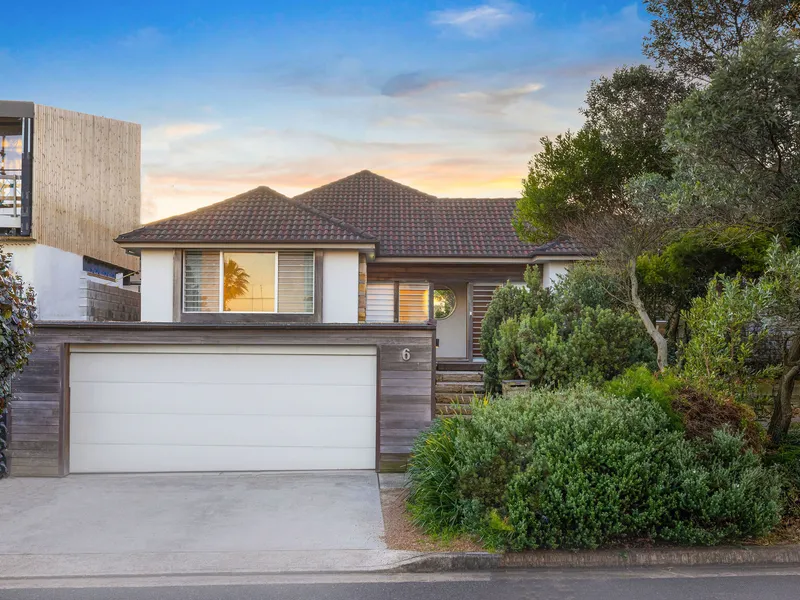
<point x="402" y="534"/>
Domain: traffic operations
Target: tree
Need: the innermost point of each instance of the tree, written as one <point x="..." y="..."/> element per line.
<point x="737" y="141"/>
<point x="237" y="281"/>
<point x="691" y="36"/>
<point x="672" y="279"/>
<point x="737" y="148"/>
<point x="18" y="309"/>
<point x="782" y="287"/>
<point x="629" y="109"/>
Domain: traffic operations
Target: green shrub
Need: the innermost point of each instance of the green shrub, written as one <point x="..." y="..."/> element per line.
<point x="640" y="382"/>
<point x="550" y="348"/>
<point x="724" y="333"/>
<point x="508" y="301"/>
<point x="434" y="501"/>
<point x="578" y="468"/>
<point x="786" y="458"/>
<point x="588" y="283"/>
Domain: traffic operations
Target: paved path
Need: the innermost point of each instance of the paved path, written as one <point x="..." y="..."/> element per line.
<point x="650" y="584"/>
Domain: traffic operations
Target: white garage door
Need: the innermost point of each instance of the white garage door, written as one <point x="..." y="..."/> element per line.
<point x="221" y="408"/>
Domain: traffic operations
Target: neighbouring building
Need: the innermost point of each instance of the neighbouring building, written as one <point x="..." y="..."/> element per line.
<point x="69" y="184"/>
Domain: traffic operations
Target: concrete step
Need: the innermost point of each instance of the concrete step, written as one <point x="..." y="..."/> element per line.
<point x="453" y="376"/>
<point x="461" y="365"/>
<point x="459" y="387"/>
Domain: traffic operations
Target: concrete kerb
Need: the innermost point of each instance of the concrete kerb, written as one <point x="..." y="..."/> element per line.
<point x="558" y="559"/>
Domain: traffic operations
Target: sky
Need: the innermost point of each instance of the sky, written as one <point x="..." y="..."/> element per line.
<point x="450" y="97"/>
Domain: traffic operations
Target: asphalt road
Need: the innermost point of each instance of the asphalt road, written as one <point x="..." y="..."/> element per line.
<point x="644" y="584"/>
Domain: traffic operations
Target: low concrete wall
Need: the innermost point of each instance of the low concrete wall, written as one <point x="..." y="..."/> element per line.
<point x="102" y="302"/>
<point x="39" y="416"/>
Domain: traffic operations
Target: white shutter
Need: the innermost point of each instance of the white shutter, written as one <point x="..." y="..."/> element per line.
<point x="200" y="281"/>
<point x="296" y="282"/>
<point x="413" y="305"/>
<point x="380" y="302"/>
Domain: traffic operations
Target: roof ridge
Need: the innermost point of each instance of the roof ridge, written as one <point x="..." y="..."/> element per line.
<point x="363" y="172"/>
<point x="202" y="209"/>
<point x="336" y="221"/>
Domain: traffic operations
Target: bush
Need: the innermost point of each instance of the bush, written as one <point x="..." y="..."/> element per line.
<point x="578" y="468"/>
<point x="786" y="458"/>
<point x="434" y="501"/>
<point x="724" y="334"/>
<point x="640" y="382"/>
<point x="703" y="413"/>
<point x="550" y="348"/>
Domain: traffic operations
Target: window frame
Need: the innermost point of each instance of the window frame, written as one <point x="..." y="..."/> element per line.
<point x="221" y="305"/>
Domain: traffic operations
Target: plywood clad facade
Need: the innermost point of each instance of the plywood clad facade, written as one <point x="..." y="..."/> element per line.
<point x="86" y="183"/>
<point x="39" y="425"/>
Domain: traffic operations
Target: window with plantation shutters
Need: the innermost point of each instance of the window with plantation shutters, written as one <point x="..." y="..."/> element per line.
<point x="413" y="302"/>
<point x="380" y="302"/>
<point x="296" y="282"/>
<point x="260" y="282"/>
<point x="201" y="281"/>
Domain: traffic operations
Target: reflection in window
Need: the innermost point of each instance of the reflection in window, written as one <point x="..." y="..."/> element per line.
<point x="249" y="281"/>
<point x="444" y="303"/>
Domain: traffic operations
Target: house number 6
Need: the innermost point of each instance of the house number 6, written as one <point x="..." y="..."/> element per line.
<point x="406" y="354"/>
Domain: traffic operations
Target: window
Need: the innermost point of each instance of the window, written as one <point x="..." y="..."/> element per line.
<point x="444" y="302"/>
<point x="393" y="302"/>
<point x="380" y="302"/>
<point x="412" y="306"/>
<point x="248" y="282"/>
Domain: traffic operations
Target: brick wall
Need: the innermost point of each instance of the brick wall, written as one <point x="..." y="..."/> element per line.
<point x="102" y="302"/>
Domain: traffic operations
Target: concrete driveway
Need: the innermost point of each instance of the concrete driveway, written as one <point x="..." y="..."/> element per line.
<point x="227" y="512"/>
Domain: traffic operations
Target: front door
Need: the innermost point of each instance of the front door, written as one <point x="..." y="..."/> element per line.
<point x="451" y="311"/>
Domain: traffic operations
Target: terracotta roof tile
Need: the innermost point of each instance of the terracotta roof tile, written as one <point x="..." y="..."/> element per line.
<point x="363" y="207"/>
<point x="260" y="215"/>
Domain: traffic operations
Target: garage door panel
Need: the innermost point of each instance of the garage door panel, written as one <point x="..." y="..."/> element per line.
<point x="218" y="399"/>
<point x="226" y="408"/>
<point x="223" y="430"/>
<point x="129" y="459"/>
<point x="233" y="369"/>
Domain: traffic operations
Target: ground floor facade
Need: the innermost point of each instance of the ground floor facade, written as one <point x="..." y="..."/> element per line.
<point x="141" y="397"/>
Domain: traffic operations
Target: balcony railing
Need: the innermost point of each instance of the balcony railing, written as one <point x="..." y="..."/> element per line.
<point x="10" y="193"/>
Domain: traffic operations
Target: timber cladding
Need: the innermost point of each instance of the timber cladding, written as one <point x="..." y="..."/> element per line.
<point x="39" y="414"/>
<point x="86" y="183"/>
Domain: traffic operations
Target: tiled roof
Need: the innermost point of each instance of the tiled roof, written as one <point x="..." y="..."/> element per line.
<point x="408" y="222"/>
<point x="363" y="207"/>
<point x="258" y="216"/>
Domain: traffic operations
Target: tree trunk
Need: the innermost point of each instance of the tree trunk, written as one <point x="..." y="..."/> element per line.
<point x="782" y="409"/>
<point x="659" y="340"/>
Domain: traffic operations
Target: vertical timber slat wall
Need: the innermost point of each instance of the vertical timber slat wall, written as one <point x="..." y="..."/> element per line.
<point x="86" y="183"/>
<point x="39" y="424"/>
<point x="481" y="297"/>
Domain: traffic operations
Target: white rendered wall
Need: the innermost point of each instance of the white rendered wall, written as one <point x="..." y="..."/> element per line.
<point x="56" y="276"/>
<point x="340" y="286"/>
<point x="553" y="271"/>
<point x="157" y="285"/>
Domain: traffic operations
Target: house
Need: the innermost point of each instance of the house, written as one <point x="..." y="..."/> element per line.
<point x="277" y="334"/>
<point x="69" y="184"/>
<point x="363" y="249"/>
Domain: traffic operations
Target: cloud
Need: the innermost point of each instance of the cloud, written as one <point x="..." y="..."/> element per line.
<point x="406" y="84"/>
<point x="479" y="21"/>
<point x="146" y="37"/>
<point x="499" y="98"/>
